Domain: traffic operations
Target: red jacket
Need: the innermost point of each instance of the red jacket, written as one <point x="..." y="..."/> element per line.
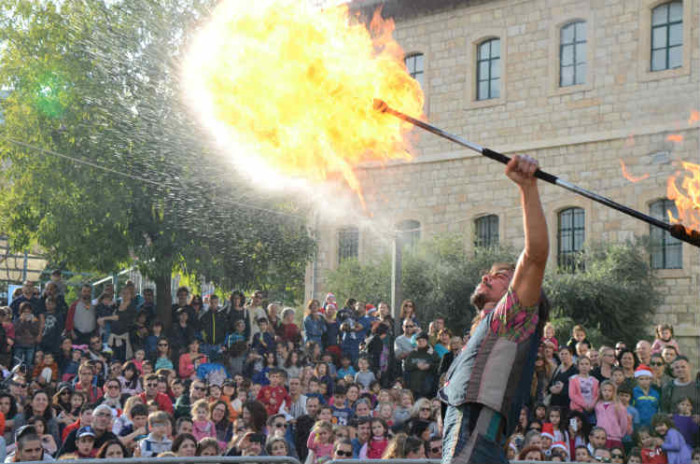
<point x="162" y="400"/>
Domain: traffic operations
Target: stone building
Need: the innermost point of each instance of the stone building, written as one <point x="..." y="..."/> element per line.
<point x="580" y="85"/>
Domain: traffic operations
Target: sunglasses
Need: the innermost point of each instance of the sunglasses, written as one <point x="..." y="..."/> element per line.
<point x="617" y="455"/>
<point x="20" y="385"/>
<point x="436" y="450"/>
<point x="113" y="387"/>
<point x="200" y="388"/>
<point x="280" y="425"/>
<point x="425" y="409"/>
<point x="657" y="364"/>
<point x="152" y="384"/>
<point x="346" y="454"/>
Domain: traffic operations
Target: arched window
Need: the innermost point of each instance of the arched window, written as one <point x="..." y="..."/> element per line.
<point x="571" y="234"/>
<point x="348" y="243"/>
<point x="666" y="251"/>
<point x="486" y="231"/>
<point x="488" y="70"/>
<point x="667" y="36"/>
<point x="415" y="66"/>
<point x="572" y="54"/>
<point x="408" y="233"/>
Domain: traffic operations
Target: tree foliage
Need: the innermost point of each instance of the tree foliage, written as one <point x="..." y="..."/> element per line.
<point x="613" y="296"/>
<point x="98" y="81"/>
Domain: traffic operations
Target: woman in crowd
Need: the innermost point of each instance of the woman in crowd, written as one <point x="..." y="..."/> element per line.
<point x="39" y="405"/>
<point x="314" y="324"/>
<point x="628" y="362"/>
<point x="184" y="445"/>
<point x="220" y="416"/>
<point x="113" y="449"/>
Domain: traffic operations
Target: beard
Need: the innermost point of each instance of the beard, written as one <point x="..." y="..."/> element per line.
<point x="478" y="300"/>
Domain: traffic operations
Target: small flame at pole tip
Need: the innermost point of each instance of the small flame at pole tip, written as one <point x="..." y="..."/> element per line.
<point x="675" y="138"/>
<point x="686" y="197"/>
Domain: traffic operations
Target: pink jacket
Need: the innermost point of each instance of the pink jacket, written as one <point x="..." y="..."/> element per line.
<point x="578" y="403"/>
<point x="612" y="418"/>
<point x="659" y="345"/>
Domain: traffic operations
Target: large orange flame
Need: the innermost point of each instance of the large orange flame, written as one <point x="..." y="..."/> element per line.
<point x="630" y="177"/>
<point x="290" y="88"/>
<point x="687" y="197"/>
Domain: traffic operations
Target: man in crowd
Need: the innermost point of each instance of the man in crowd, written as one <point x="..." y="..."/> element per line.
<point x="501" y="352"/>
<point x="297" y="406"/>
<point x="421" y="367"/>
<point x="304" y="424"/>
<point x="403" y="345"/>
<point x="81" y="321"/>
<point x="101" y="425"/>
<point x="151" y="393"/>
<point x="29" y="447"/>
<point x="643" y="351"/>
<point x="683" y="386"/>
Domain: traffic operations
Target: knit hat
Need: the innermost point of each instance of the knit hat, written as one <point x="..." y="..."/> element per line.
<point x="548" y="430"/>
<point x="642" y="371"/>
<point x="330" y="295"/>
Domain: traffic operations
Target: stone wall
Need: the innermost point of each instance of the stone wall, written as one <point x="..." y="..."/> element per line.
<point x="622" y="112"/>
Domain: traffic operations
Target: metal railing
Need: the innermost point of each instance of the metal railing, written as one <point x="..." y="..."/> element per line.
<point x="193" y="460"/>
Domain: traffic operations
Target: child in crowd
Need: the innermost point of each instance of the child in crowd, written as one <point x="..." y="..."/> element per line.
<point x="346" y="368"/>
<point x="549" y="335"/>
<point x="273" y="396"/>
<point x="624" y="394"/>
<point x="320" y="441"/>
<point x="683" y="420"/>
<point x="664" y="338"/>
<point x="26" y="332"/>
<point x="578" y="334"/>
<point x="645" y="398"/>
<point x="364" y="377"/>
<point x="671" y="440"/>
<point x="202" y="426"/>
<point x="583" y="388"/>
<point x="375" y="447"/>
<point x="611" y="415"/>
<point x="558" y="430"/>
<point x="157" y="441"/>
<point x="651" y="452"/>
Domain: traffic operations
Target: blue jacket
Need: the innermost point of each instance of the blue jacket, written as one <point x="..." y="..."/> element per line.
<point x="647" y="405"/>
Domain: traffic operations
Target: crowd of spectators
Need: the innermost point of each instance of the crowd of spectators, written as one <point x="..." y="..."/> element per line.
<point x="104" y="378"/>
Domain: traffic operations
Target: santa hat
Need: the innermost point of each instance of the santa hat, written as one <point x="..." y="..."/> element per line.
<point x="643" y="371"/>
<point x="370" y="308"/>
<point x="329" y="296"/>
<point x="548" y="430"/>
<point x="559" y="444"/>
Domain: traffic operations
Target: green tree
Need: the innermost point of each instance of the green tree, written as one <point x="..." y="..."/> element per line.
<point x="614" y="296"/>
<point x="98" y="81"/>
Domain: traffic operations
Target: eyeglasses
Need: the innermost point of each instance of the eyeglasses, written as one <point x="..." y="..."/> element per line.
<point x="436" y="450"/>
<point x="346" y="454"/>
<point x="657" y="364"/>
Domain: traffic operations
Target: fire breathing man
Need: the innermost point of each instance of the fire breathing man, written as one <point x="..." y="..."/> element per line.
<point x="487" y="383"/>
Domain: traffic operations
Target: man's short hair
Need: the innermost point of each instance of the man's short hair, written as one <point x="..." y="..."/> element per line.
<point x="102" y="407"/>
<point x="182" y="289"/>
<point x="597" y="429"/>
<point x="680" y="357"/>
<point x="25" y="434"/>
<point x="341" y="441"/>
<point x="150" y="377"/>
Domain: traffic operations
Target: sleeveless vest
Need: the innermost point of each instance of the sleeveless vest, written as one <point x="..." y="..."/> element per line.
<point x="493" y="371"/>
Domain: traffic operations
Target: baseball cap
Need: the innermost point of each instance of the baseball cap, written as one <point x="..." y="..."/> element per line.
<point x="85" y="432"/>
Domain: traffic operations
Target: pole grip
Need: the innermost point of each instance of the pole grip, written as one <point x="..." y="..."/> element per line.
<point x="501" y="158"/>
<point x="681" y="233"/>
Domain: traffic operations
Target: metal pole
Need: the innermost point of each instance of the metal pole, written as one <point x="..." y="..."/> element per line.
<point x="396" y="263"/>
<point x="676" y="230"/>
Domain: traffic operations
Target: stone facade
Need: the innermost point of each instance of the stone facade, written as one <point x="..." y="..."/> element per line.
<point x="622" y="112"/>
